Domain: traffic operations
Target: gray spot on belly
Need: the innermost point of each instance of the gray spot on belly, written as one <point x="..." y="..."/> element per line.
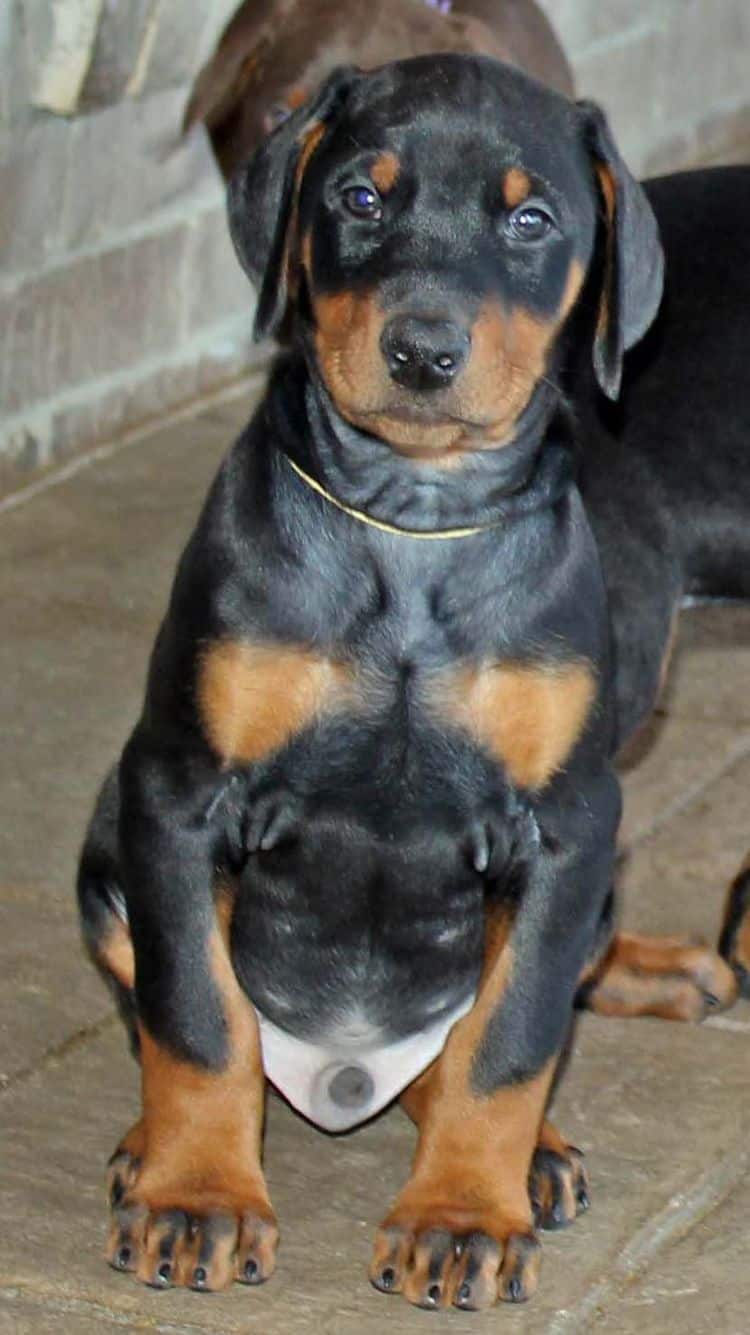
<point x="345" y="1078"/>
<point x="348" y="1086"/>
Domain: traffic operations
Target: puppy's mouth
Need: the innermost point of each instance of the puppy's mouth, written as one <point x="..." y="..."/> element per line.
<point x="425" y="430"/>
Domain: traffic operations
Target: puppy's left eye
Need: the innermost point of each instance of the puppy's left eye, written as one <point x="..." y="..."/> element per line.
<point x="529" y="222"/>
<point x="362" y="202"/>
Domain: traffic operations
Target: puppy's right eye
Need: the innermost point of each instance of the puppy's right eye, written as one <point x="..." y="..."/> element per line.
<point x="363" y="202"/>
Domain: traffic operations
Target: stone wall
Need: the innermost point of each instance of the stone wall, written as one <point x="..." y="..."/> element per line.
<point x="120" y="297"/>
<point x="673" y="75"/>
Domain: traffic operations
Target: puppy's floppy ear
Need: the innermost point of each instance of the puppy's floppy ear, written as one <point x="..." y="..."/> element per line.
<point x="633" y="276"/>
<point x="263" y="197"/>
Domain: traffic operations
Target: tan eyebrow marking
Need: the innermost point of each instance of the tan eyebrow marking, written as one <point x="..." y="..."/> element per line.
<point x="516" y="187"/>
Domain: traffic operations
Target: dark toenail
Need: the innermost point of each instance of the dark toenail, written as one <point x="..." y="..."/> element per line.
<point x="388" y="1277"/>
<point x="123" y="1256"/>
<point x="515" y="1290"/>
<point x="117" y="1192"/>
<point x="199" y="1275"/>
<point x="251" y="1271"/>
<point x="711" y="1000"/>
<point x="583" y="1199"/>
<point x="464" y="1293"/>
<point x="433" y="1293"/>
<point x="164" y="1273"/>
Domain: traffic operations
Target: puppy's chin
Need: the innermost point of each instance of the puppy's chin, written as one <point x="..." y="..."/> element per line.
<point x="427" y="438"/>
<point x="416" y="437"/>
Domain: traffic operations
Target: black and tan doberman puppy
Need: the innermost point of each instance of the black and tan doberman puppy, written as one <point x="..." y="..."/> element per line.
<point x="361" y="840"/>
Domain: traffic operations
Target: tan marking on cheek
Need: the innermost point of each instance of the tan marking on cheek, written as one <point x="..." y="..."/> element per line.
<point x="509" y="356"/>
<point x="254" y="698"/>
<point x="529" y="717"/>
<point x="347" y="341"/>
<point x="516" y="187"/>
<point x="384" y="172"/>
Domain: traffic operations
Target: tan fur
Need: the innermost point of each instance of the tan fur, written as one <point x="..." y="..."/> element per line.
<point x="115" y="953"/>
<point x="480" y="410"/>
<point x="663" y="976"/>
<point x="254" y="697"/>
<point x="471" y="1167"/>
<point x="384" y="172"/>
<point x="516" y="187"/>
<point x="529" y="717"/>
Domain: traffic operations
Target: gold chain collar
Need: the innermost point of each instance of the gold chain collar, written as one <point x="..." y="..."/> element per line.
<point x="378" y="523"/>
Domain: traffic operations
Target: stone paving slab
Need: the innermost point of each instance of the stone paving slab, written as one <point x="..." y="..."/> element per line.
<point x="662" y="1111"/>
<point x="676" y="879"/>
<point x="700" y="1285"/>
<point x="655" y="1107"/>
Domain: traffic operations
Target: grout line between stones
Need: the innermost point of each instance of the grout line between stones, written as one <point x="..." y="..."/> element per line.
<point x="675" y="1220"/>
<point x="96" y="1311"/>
<point x="135" y="436"/>
<point x="686" y="799"/>
<point x="59" y="1052"/>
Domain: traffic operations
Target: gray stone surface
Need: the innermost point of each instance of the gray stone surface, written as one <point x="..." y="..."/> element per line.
<point x="152" y="179"/>
<point x="644" y="61"/>
<point x="662" y="1111"/>
<point x="54" y="334"/>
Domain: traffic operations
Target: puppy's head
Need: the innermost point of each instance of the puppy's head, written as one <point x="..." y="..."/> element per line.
<point x="429" y="228"/>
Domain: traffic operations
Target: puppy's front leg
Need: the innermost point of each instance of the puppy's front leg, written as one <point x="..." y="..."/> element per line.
<point x="189" y="1200"/>
<point x="461" y="1232"/>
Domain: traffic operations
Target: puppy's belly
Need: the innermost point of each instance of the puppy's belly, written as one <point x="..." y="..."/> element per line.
<point x="346" y="1079"/>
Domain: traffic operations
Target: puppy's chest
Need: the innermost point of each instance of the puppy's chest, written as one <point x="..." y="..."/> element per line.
<point x="409" y="655"/>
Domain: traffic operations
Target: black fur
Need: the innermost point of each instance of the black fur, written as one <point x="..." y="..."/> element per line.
<point x="378" y="827"/>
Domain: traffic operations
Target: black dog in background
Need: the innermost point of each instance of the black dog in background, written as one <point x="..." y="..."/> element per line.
<point x="367" y="817"/>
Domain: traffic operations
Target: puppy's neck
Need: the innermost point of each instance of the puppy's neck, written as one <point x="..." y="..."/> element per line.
<point x="475" y="489"/>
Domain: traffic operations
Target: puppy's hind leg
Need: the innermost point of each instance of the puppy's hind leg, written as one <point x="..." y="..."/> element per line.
<point x="734" y="942"/>
<point x="101" y="903"/>
<point x="669" y="977"/>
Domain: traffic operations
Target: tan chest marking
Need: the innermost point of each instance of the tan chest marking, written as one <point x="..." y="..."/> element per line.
<point x="528" y="716"/>
<point x="253" y="698"/>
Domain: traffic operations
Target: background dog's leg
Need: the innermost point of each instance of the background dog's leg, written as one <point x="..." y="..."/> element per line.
<point x="669" y="977"/>
<point x="734" y="942"/>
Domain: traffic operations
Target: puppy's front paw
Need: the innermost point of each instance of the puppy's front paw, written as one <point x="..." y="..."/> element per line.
<point x="168" y="1227"/>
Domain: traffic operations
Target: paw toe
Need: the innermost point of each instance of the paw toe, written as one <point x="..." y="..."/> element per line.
<point x="519" y="1273"/>
<point x="256" y="1252"/>
<point x="558" y="1187"/>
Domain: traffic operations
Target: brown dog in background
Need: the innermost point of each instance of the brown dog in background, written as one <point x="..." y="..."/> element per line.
<point x="274" y="53"/>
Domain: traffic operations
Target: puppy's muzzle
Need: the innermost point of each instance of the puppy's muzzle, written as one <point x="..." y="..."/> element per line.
<point x="423" y="354"/>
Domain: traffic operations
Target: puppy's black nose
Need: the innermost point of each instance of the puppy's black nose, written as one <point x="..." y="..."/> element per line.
<point x="423" y="354"/>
